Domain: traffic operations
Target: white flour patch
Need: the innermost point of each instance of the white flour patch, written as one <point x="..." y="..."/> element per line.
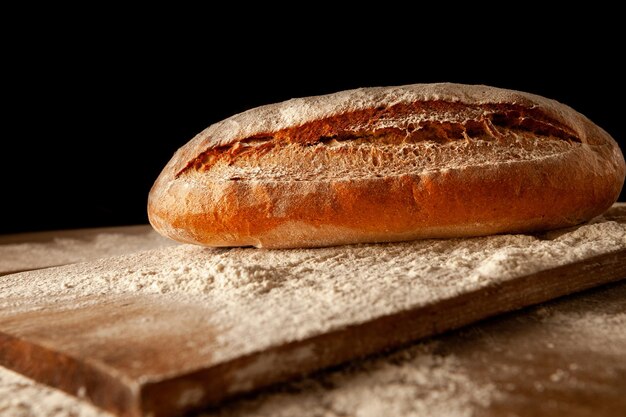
<point x="77" y="246"/>
<point x="411" y="382"/>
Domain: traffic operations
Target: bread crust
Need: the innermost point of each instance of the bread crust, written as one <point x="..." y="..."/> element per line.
<point x="342" y="168"/>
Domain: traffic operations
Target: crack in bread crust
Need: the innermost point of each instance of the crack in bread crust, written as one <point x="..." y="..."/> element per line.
<point x="377" y="157"/>
<point x="403" y="124"/>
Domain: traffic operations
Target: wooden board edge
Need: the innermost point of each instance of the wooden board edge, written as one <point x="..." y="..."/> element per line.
<point x="48" y="235"/>
<point x="17" y="271"/>
<point x="68" y="374"/>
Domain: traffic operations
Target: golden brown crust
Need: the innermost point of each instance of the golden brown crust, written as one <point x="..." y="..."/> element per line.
<point x="437" y="160"/>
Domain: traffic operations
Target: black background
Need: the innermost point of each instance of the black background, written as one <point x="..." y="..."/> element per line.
<point x="90" y="123"/>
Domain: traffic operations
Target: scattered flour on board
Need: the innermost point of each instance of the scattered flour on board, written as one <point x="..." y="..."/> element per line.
<point x="412" y="382"/>
<point x="77" y="246"/>
<point x="293" y="294"/>
<point x="588" y="327"/>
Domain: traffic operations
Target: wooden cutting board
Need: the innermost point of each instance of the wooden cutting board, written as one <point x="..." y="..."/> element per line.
<point x="170" y="330"/>
<point x="28" y="251"/>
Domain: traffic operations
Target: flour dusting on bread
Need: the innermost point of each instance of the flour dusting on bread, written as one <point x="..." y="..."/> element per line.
<point x="388" y="164"/>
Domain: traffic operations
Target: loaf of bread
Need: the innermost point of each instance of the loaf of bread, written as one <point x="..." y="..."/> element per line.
<point x="388" y="164"/>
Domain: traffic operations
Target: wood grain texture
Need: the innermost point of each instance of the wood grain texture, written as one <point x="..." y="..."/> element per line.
<point x="106" y="347"/>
